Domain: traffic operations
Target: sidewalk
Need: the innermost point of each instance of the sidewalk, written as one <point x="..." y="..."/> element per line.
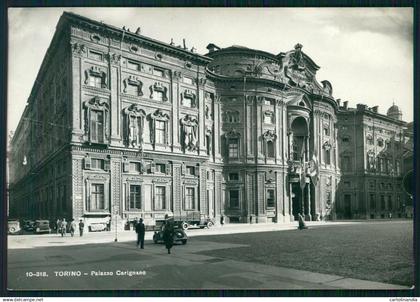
<point x="41" y="240"/>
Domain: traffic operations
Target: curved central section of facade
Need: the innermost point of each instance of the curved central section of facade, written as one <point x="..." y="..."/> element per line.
<point x="278" y="135"/>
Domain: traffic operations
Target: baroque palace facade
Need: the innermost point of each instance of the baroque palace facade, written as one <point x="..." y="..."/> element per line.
<point x="121" y="125"/>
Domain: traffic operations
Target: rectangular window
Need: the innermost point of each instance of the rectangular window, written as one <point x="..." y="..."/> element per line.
<point x="268" y="119"/>
<point x="372" y="202"/>
<point x="160" y="198"/>
<point x="160" y="168"/>
<point x="233" y="176"/>
<point x="186" y="102"/>
<point x="326" y="131"/>
<point x="234" y="199"/>
<point x="95" y="55"/>
<point x="270" y="149"/>
<point x="382" y="202"/>
<point x="233" y="147"/>
<point x="97" y="198"/>
<point x="95" y="81"/>
<point x="346" y="163"/>
<point x="189" y="198"/>
<point x="158" y="95"/>
<point x="97" y="126"/>
<point x="160" y="132"/>
<point x="135" y="197"/>
<point x="327" y="157"/>
<point x="135" y="167"/>
<point x="190" y="170"/>
<point x="187" y="80"/>
<point x="98" y="164"/>
<point x="133" y="65"/>
<point x="389" y="202"/>
<point x="133" y="89"/>
<point x="270" y="199"/>
<point x="158" y="72"/>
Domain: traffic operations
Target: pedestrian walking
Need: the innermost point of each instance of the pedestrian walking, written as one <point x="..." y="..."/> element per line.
<point x="57" y="230"/>
<point x="302" y="225"/>
<point x="222" y="220"/>
<point x="81" y="227"/>
<point x="140" y="230"/>
<point x="63" y="227"/>
<point x="72" y="227"/>
<point x="168" y="236"/>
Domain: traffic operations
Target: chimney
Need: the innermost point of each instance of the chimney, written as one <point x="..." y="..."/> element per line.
<point x="375" y="109"/>
<point x="361" y="107"/>
<point x="345" y="104"/>
<point x="338" y="102"/>
<point x="212" y="47"/>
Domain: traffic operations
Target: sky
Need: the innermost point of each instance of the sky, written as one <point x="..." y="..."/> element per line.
<point x="366" y="53"/>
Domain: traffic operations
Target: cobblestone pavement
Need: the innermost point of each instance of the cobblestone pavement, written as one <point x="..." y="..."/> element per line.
<point x="52" y="262"/>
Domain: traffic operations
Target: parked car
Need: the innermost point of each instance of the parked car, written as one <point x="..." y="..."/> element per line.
<point x="28" y="225"/>
<point x="179" y="236"/>
<point x="14" y="227"/>
<point x="42" y="226"/>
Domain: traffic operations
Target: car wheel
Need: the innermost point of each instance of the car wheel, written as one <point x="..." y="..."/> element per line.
<point x="12" y="230"/>
<point x="184" y="225"/>
<point x="209" y="224"/>
<point x="184" y="241"/>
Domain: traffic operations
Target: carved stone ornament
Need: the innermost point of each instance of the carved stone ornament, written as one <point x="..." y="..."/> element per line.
<point x="133" y="80"/>
<point x="189" y="131"/>
<point x="327" y="87"/>
<point x="95" y="38"/>
<point x="78" y="48"/>
<point x="189" y="94"/>
<point x="207" y="112"/>
<point x="231" y="116"/>
<point x="96" y="103"/>
<point x="176" y="75"/>
<point x="232" y="133"/>
<point x="201" y="81"/>
<point x="157" y="86"/>
<point x="269" y="136"/>
<point x="326" y="145"/>
<point x="250" y="99"/>
<point x="270" y="176"/>
<point x="134" y="125"/>
<point x="96" y="72"/>
<point x="159" y="115"/>
<point x="114" y="58"/>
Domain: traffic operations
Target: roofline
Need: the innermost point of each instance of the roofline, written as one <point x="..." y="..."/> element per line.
<point x="371" y="113"/>
<point x="71" y="17"/>
<point x="236" y="49"/>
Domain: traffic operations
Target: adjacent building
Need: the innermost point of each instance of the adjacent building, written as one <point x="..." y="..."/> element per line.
<point x="372" y="147"/>
<point x="122" y="126"/>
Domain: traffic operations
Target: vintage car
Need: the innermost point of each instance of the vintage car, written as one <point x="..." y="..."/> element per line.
<point x="29" y="225"/>
<point x="179" y="236"/>
<point x="13" y="227"/>
<point x="42" y="226"/>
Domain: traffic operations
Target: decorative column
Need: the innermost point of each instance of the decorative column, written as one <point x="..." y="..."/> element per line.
<point x="217" y="127"/>
<point x="114" y="61"/>
<point x="78" y="52"/>
<point x="176" y="76"/>
<point x="201" y="82"/>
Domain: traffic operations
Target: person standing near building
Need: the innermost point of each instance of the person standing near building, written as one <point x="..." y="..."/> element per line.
<point x="63" y="227"/>
<point x="81" y="227"/>
<point x="168" y="236"/>
<point x="140" y="230"/>
<point x="58" y="230"/>
<point x="72" y="227"/>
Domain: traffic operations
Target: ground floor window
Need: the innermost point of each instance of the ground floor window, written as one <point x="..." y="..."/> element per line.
<point x="160" y="198"/>
<point x="234" y="199"/>
<point x="135" y="197"/>
<point x="97" y="198"/>
<point x="390" y="202"/>
<point x="372" y="202"/>
<point x="189" y="199"/>
<point x="382" y="202"/>
<point x="270" y="198"/>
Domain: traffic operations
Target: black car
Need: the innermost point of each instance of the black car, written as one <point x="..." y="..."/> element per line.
<point x="179" y="236"/>
<point x="28" y="225"/>
<point x="42" y="226"/>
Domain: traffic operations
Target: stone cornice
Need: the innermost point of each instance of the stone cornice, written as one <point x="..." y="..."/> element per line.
<point x="117" y="33"/>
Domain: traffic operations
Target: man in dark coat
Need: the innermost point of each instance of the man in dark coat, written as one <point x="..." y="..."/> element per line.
<point x="168" y="236"/>
<point x="140" y="230"/>
<point x="81" y="227"/>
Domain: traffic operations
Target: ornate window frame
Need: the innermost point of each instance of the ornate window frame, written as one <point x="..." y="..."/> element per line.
<point x="135" y="81"/>
<point x="157" y="86"/>
<point x="269" y="137"/>
<point x="134" y="112"/>
<point x="158" y="115"/>
<point x="97" y="72"/>
<point x="233" y="134"/>
<point x="270" y="114"/>
<point x="96" y="104"/>
<point x="189" y="94"/>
